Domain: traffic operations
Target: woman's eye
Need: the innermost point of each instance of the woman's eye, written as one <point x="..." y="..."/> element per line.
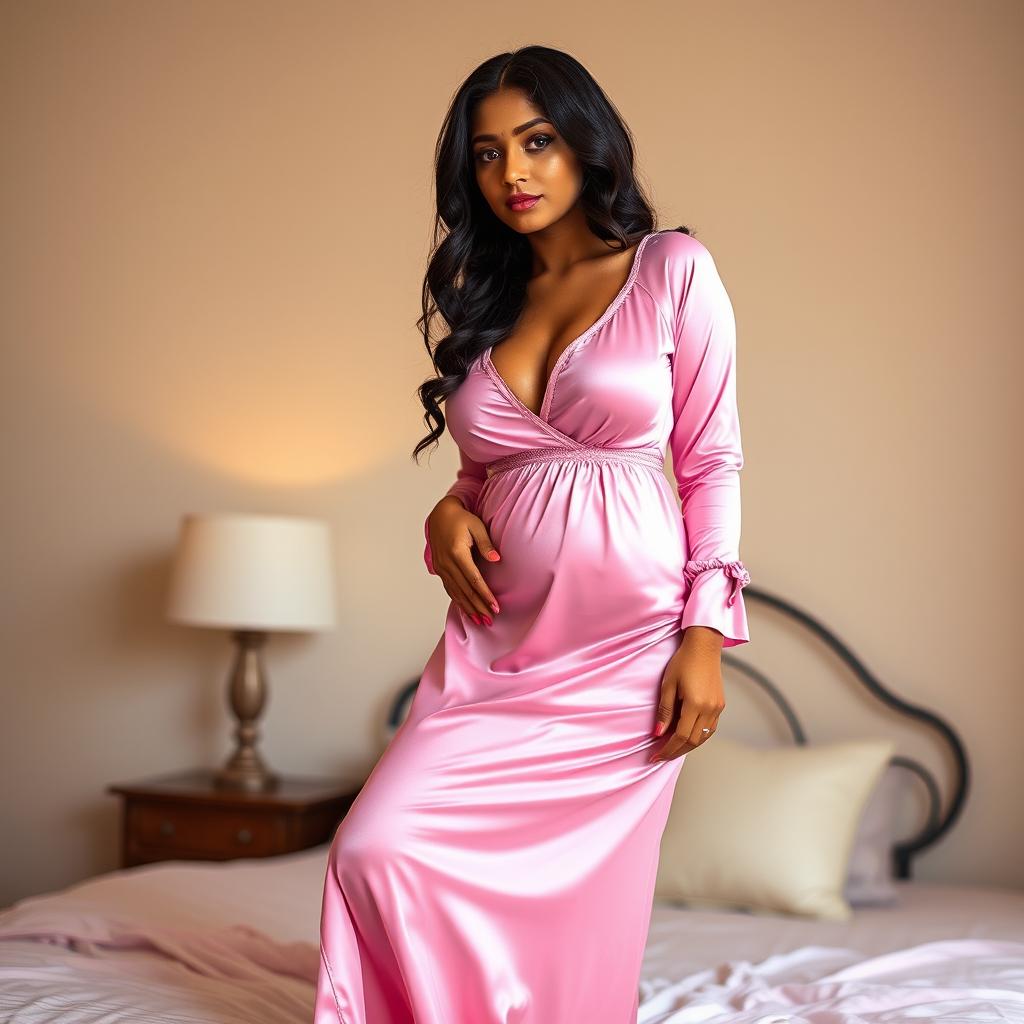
<point x="481" y="155"/>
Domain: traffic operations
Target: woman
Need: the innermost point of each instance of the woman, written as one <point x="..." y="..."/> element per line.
<point x="499" y="864"/>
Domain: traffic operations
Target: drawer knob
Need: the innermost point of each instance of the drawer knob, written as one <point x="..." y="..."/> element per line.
<point x="167" y="828"/>
<point x="244" y="836"/>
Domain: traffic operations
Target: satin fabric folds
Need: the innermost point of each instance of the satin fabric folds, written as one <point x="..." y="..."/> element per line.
<point x="498" y="866"/>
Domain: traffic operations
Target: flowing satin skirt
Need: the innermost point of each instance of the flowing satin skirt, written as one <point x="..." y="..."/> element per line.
<point x="498" y="867"/>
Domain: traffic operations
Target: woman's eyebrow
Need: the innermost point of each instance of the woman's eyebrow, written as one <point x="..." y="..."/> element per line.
<point x="515" y="131"/>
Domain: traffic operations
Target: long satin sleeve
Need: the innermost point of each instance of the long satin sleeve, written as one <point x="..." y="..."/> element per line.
<point x="469" y="480"/>
<point x="706" y="449"/>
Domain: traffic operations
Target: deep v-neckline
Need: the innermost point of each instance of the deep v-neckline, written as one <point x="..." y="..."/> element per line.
<point x="545" y="406"/>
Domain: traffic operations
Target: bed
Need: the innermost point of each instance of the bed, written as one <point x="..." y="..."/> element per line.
<point x="237" y="941"/>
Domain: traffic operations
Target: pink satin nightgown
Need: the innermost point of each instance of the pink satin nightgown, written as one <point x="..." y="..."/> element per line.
<point x="498" y="866"/>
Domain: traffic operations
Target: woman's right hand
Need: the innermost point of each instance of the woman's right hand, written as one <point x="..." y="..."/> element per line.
<point x="452" y="533"/>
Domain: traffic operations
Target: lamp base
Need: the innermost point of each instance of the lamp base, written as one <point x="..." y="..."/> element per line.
<point x="247" y="694"/>
<point x="246" y="780"/>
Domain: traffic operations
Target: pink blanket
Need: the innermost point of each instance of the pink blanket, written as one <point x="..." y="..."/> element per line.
<point x="953" y="980"/>
<point x="58" y="965"/>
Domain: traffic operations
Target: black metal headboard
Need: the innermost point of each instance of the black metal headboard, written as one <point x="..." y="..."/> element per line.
<point x="937" y="821"/>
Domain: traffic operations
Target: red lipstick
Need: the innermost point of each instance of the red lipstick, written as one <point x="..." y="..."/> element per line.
<point x="522" y="201"/>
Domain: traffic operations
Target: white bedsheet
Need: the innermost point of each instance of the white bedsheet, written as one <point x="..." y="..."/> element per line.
<point x="237" y="941"/>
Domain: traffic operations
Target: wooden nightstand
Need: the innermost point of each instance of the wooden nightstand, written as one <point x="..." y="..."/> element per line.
<point x="183" y="817"/>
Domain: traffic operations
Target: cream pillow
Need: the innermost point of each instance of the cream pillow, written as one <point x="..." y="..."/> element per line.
<point x="769" y="830"/>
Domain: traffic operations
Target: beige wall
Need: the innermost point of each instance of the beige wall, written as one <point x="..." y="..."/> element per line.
<point x="215" y="218"/>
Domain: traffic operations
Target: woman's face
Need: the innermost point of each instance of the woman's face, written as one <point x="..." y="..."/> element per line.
<point x="516" y="150"/>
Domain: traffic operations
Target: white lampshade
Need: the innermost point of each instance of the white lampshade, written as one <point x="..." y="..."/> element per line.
<point x="253" y="572"/>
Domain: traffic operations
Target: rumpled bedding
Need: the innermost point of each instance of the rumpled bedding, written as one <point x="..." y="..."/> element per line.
<point x="947" y="980"/>
<point x="79" y="971"/>
<point x="237" y="942"/>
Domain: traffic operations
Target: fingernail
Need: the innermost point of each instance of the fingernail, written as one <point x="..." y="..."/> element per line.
<point x="659" y="728"/>
<point x="494" y="605"/>
<point x="493" y="555"/>
<point x="488" y="620"/>
<point x="475" y="617"/>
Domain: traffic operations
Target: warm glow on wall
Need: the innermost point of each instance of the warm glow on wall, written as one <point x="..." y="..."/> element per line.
<point x="251" y="411"/>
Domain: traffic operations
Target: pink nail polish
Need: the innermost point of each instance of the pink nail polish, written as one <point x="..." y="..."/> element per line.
<point x="659" y="728"/>
<point x="493" y="556"/>
<point x="475" y="618"/>
<point x="488" y="620"/>
<point x="494" y="605"/>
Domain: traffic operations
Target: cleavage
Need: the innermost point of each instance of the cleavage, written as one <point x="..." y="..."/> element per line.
<point x="535" y="350"/>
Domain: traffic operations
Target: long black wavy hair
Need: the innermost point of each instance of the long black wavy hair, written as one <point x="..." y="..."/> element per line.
<point x="479" y="268"/>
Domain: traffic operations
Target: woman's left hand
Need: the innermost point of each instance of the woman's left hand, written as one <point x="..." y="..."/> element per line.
<point x="694" y="678"/>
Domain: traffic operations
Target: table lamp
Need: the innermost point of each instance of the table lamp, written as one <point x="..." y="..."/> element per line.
<point x="251" y="574"/>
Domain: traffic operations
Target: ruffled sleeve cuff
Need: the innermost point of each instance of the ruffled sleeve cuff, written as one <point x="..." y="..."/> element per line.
<point x="714" y="598"/>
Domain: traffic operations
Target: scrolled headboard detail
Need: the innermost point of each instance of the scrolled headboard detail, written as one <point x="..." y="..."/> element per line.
<point x="937" y="822"/>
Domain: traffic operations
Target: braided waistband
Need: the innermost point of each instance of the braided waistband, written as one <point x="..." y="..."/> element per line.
<point x="650" y="457"/>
